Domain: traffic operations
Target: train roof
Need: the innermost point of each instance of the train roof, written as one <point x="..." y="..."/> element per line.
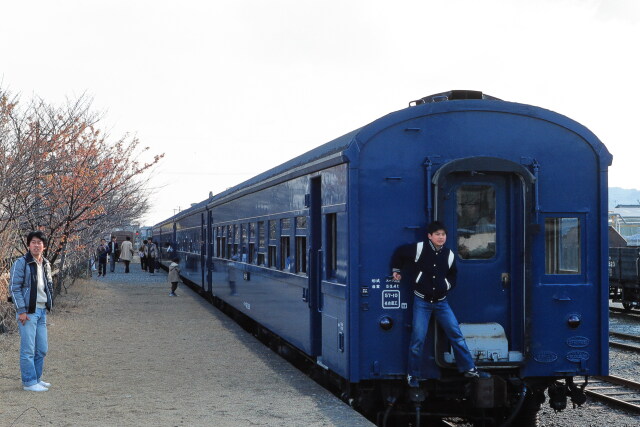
<point x="338" y="148"/>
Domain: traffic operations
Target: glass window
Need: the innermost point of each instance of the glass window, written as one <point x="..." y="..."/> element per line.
<point x="332" y="244"/>
<point x="285" y="254"/>
<point x="285" y="225"/>
<point x="301" y="222"/>
<point x="476" y="212"/>
<point x="562" y="245"/>
<point x="272" y="256"/>
<point x="272" y="229"/>
<point x="261" y="234"/>
<point x="301" y="254"/>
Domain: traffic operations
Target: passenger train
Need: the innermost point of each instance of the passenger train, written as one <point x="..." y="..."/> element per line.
<point x="304" y="249"/>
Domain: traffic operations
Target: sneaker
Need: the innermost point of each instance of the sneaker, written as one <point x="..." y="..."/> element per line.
<point x="44" y="384"/>
<point x="171" y="294"/>
<point x="35" y="387"/>
<point x="474" y="373"/>
<point x="412" y="381"/>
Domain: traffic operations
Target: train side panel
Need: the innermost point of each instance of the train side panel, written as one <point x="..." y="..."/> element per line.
<point x="268" y="264"/>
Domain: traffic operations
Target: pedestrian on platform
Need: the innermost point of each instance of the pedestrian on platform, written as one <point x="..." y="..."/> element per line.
<point x="126" y="253"/>
<point x="114" y="251"/>
<point x="31" y="287"/>
<point x="151" y="253"/>
<point x="143" y="257"/>
<point x="174" y="275"/>
<point x="101" y="254"/>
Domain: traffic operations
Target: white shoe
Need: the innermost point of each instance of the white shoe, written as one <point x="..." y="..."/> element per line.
<point x="44" y="384"/>
<point x="35" y="387"/>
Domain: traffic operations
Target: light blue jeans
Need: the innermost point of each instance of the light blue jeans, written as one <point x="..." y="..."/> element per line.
<point x="422" y="311"/>
<point x="33" y="346"/>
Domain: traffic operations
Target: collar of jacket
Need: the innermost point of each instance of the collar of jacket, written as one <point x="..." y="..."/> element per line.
<point x="30" y="259"/>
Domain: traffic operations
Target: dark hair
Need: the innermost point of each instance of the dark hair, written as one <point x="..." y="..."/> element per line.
<point x="436" y="226"/>
<point x="176" y="259"/>
<point x="38" y="235"/>
<point x="128" y="238"/>
<point x="145" y="242"/>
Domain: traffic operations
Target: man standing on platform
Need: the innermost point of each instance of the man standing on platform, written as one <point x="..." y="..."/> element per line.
<point x="113" y="252"/>
<point x="126" y="253"/>
<point x="32" y="291"/>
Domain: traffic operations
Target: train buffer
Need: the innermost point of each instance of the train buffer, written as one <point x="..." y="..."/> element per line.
<point x="122" y="352"/>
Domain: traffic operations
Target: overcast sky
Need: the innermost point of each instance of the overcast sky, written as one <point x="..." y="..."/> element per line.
<point x="230" y="88"/>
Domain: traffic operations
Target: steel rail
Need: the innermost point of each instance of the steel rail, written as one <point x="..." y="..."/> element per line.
<point x="622" y="311"/>
<point x="609" y="399"/>
<point x="624" y="336"/>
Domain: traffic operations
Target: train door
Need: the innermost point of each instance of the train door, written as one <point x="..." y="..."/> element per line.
<point x="315" y="269"/>
<point x="209" y="256"/>
<point x="203" y="249"/>
<point x="484" y="213"/>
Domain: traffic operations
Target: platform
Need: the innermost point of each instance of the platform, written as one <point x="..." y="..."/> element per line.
<point x="122" y="352"/>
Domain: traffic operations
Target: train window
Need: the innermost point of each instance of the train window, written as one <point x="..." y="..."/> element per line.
<point x="301" y="222"/>
<point x="251" y="252"/>
<point x="476" y="219"/>
<point x="260" y="258"/>
<point x="332" y="244"/>
<point x="562" y="245"/>
<point x="244" y="232"/>
<point x="236" y="229"/>
<point x="285" y="253"/>
<point x="285" y="226"/>
<point x="252" y="230"/>
<point x="261" y="234"/>
<point x="229" y="251"/>
<point x="272" y="229"/>
<point x="301" y="254"/>
<point x="272" y="256"/>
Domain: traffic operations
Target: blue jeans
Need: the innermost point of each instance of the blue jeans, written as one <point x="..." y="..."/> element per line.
<point x="422" y="311"/>
<point x="112" y="262"/>
<point x="33" y="346"/>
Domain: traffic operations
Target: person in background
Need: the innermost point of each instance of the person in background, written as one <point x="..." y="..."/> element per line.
<point x="143" y="257"/>
<point x="151" y="252"/>
<point x="31" y="287"/>
<point x="126" y="253"/>
<point x="174" y="275"/>
<point x="114" y="248"/>
<point x="101" y="254"/>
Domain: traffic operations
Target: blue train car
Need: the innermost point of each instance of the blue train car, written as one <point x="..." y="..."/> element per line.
<point x="304" y="250"/>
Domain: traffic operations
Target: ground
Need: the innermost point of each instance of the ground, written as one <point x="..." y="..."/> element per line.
<point x="125" y="353"/>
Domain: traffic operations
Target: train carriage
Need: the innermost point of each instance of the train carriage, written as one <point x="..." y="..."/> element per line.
<point x="304" y="250"/>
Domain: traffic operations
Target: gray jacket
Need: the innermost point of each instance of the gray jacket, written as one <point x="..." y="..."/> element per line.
<point x="174" y="273"/>
<point x="24" y="283"/>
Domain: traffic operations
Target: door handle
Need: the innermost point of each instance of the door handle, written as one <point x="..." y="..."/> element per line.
<point x="505" y="279"/>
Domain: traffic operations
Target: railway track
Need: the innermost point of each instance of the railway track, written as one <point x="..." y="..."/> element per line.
<point x="621" y="311"/>
<point x="615" y="391"/>
<point x="624" y="345"/>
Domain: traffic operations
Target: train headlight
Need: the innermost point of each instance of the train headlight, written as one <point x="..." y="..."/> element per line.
<point x="574" y="321"/>
<point x="386" y="323"/>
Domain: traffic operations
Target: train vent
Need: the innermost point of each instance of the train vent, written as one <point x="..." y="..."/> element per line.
<point x="452" y="95"/>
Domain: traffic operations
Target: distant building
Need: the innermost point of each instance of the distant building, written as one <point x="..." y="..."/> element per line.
<point x="625" y="220"/>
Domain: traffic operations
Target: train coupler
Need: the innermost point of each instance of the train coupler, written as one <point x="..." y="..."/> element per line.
<point x="489" y="392"/>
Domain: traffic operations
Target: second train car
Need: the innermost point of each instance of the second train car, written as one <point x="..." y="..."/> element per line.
<point x="304" y="249"/>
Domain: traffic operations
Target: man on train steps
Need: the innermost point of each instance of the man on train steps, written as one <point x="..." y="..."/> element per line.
<point x="436" y="275"/>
